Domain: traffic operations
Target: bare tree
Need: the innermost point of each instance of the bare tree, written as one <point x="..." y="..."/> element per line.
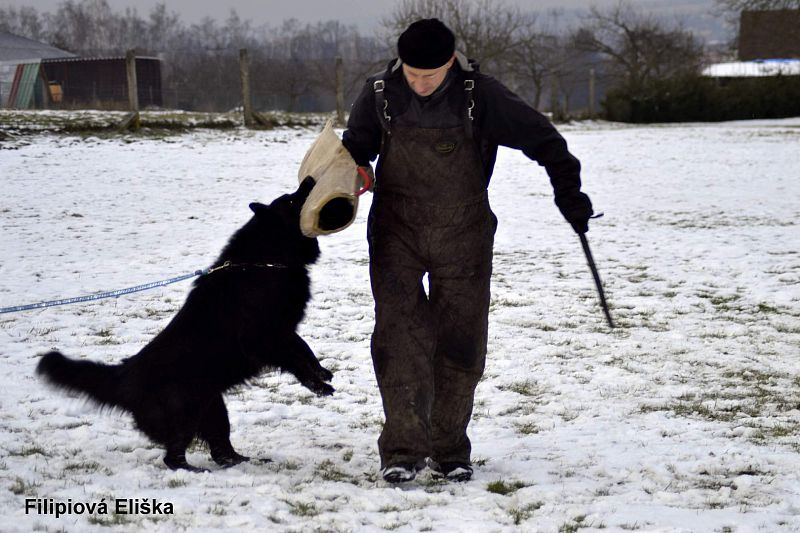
<point x="292" y="66"/>
<point x="535" y="60"/>
<point x="24" y="21"/>
<point x="85" y="26"/>
<point x="638" y="47"/>
<point x="545" y="59"/>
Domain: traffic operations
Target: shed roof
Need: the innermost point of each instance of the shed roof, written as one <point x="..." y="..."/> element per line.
<point x="18" y="48"/>
<point x="751" y="69"/>
<point x="85" y="59"/>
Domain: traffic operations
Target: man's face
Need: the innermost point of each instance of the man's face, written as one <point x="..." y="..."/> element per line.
<point x="425" y="81"/>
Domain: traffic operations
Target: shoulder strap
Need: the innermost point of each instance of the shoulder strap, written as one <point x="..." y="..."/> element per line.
<point x="469" y="87"/>
<point x="382" y="105"/>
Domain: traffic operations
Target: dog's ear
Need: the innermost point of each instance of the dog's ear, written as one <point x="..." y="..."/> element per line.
<point x="305" y="187"/>
<point x="259" y="209"/>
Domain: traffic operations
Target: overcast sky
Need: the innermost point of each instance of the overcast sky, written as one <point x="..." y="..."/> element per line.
<point x="364" y="13"/>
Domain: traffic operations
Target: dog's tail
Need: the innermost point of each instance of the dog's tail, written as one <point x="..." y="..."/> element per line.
<point x="98" y="381"/>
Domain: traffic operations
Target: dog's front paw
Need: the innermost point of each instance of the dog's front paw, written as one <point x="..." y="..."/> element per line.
<point x="325" y="374"/>
<point x="228" y="458"/>
<point x="318" y="387"/>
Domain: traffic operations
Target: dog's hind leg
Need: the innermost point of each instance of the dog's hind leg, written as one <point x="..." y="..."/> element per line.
<point x="215" y="429"/>
<point x="175" y="458"/>
<point x="170" y="417"/>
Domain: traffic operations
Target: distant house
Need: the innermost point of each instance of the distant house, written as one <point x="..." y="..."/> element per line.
<point x="769" y="35"/>
<point x="769" y="45"/>
<point x="36" y="75"/>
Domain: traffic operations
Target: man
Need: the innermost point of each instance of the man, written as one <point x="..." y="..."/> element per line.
<point x="436" y="124"/>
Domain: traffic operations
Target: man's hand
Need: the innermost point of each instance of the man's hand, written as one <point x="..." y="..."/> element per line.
<point x="581" y="226"/>
<point x="577" y="209"/>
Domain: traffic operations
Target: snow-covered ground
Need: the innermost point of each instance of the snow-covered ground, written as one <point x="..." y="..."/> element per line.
<point x="684" y="418"/>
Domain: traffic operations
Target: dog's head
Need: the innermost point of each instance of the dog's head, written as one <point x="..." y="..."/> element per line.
<point x="281" y="221"/>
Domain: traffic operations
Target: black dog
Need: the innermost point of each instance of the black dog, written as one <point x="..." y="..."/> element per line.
<point x="237" y="320"/>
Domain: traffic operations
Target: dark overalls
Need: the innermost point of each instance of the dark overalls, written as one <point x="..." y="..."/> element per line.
<point x="430" y="214"/>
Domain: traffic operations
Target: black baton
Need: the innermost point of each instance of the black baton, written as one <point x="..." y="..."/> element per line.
<point x="596" y="276"/>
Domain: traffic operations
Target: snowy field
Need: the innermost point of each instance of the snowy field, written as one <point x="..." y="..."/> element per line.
<point x="684" y="418"/>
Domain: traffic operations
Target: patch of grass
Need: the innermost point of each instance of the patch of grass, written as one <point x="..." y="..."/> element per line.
<point x="149" y="312"/>
<point x="505" y="302"/>
<point x="782" y="328"/>
<point x="768" y="309"/>
<point x="109" y="520"/>
<point x="176" y="483"/>
<point x="433" y="485"/>
<point x="503" y="488"/>
<point x="753" y="375"/>
<point x="568" y="416"/>
<point x="287" y="465"/>
<point x="751" y="397"/>
<point x="577" y="523"/>
<point x="197" y="446"/>
<point x="28" y="451"/>
<point x="302" y="509"/>
<point x="765" y="435"/>
<point x="217" y="510"/>
<point x="525" y="388"/>
<point x="526" y="428"/>
<point x="106" y="337"/>
<point x="723" y="300"/>
<point x="20" y="487"/>
<point x="521" y="409"/>
<point x="520" y="514"/>
<point x="73" y="425"/>
<point x="327" y="470"/>
<point x="389" y="509"/>
<point x="87" y="467"/>
<point x="154" y="124"/>
<point x="41" y="332"/>
<point x="367" y="422"/>
<point x="305" y="399"/>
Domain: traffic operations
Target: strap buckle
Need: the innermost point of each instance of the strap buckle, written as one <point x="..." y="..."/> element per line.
<point x="469" y="85"/>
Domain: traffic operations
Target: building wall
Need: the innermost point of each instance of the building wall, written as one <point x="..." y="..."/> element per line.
<point x="769" y="35"/>
<point x="104" y="81"/>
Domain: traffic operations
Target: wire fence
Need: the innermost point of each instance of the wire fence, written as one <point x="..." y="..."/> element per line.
<point x="220" y="90"/>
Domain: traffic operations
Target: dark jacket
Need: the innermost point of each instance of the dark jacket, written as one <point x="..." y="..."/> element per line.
<point x="501" y="118"/>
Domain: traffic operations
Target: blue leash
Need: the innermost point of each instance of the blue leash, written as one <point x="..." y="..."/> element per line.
<point x="110" y="294"/>
<point x="146" y="286"/>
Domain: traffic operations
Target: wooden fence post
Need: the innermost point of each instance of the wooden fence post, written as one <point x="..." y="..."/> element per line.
<point x="555" y="107"/>
<point x="133" y="91"/>
<point x="339" y="91"/>
<point x="244" y="75"/>
<point x="591" y="93"/>
<point x="131" y="121"/>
